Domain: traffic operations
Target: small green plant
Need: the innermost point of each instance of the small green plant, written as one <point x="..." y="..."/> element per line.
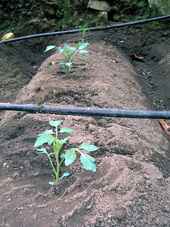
<point x="51" y="138"/>
<point x="69" y="53"/>
<point x="84" y="29"/>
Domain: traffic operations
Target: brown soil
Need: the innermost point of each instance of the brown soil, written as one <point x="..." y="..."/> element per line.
<point x="131" y="186"/>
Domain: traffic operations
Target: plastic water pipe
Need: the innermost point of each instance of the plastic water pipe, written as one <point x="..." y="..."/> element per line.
<point x="86" y="111"/>
<point x="91" y="29"/>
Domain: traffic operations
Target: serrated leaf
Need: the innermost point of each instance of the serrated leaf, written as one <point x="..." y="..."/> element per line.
<point x="44" y="137"/>
<point x="50" y="131"/>
<point x="68" y="130"/>
<point x="88" y="162"/>
<point x="55" y="123"/>
<point x="62" y="141"/>
<point x="83" y="45"/>
<point x="83" y="51"/>
<point x="51" y="47"/>
<point x="70" y="156"/>
<point x="89" y="147"/>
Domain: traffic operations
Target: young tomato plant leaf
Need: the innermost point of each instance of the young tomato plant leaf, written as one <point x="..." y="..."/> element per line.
<point x="62" y="156"/>
<point x="61" y="50"/>
<point x="65" y="175"/>
<point x="69" y="64"/>
<point x="69" y="49"/>
<point x="79" y="57"/>
<point x="52" y="47"/>
<point x="70" y="156"/>
<point x="44" y="137"/>
<point x="82" y="45"/>
<point x="44" y="151"/>
<point x="68" y="130"/>
<point x="88" y="162"/>
<point x="61" y="63"/>
<point x="55" y="123"/>
<point x="63" y="141"/>
<point x="89" y="147"/>
<point x="83" y="51"/>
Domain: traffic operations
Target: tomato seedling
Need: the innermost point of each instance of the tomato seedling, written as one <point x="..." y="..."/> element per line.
<point x="84" y="28"/>
<point x="69" y="53"/>
<point x="51" y="138"/>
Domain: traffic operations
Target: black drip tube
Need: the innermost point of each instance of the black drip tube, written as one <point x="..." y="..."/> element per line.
<point x="91" y="29"/>
<point x="86" y="111"/>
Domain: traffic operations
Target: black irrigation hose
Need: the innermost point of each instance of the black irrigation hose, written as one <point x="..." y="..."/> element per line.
<point x="91" y="29"/>
<point x="86" y="111"/>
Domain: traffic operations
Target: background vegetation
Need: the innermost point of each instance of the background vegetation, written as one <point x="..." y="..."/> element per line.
<point x="34" y="16"/>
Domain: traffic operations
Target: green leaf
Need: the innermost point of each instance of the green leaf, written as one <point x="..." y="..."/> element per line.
<point x="62" y="65"/>
<point x="64" y="175"/>
<point x="70" y="156"/>
<point x="52" y="47"/>
<point x="77" y="27"/>
<point x="42" y="150"/>
<point x="61" y="50"/>
<point x="83" y="51"/>
<point x="89" y="147"/>
<point x="70" y="50"/>
<point x="67" y="47"/>
<point x="65" y="55"/>
<point x="62" y="156"/>
<point x="83" y="45"/>
<point x="69" y="64"/>
<point x="88" y="162"/>
<point x="68" y="130"/>
<point x="61" y="142"/>
<point x="79" y="57"/>
<point x="55" y="123"/>
<point x="44" y="137"/>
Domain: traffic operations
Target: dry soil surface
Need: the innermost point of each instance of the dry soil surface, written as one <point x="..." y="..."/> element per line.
<point x="131" y="186"/>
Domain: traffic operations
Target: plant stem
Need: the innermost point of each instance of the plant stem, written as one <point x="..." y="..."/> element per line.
<point x="67" y="70"/>
<point x="57" y="161"/>
<point x="58" y="170"/>
<point x="61" y="161"/>
<point x="52" y="165"/>
<point x="78" y="149"/>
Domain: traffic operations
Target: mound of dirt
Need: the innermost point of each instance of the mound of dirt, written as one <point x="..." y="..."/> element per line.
<point x="126" y="190"/>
